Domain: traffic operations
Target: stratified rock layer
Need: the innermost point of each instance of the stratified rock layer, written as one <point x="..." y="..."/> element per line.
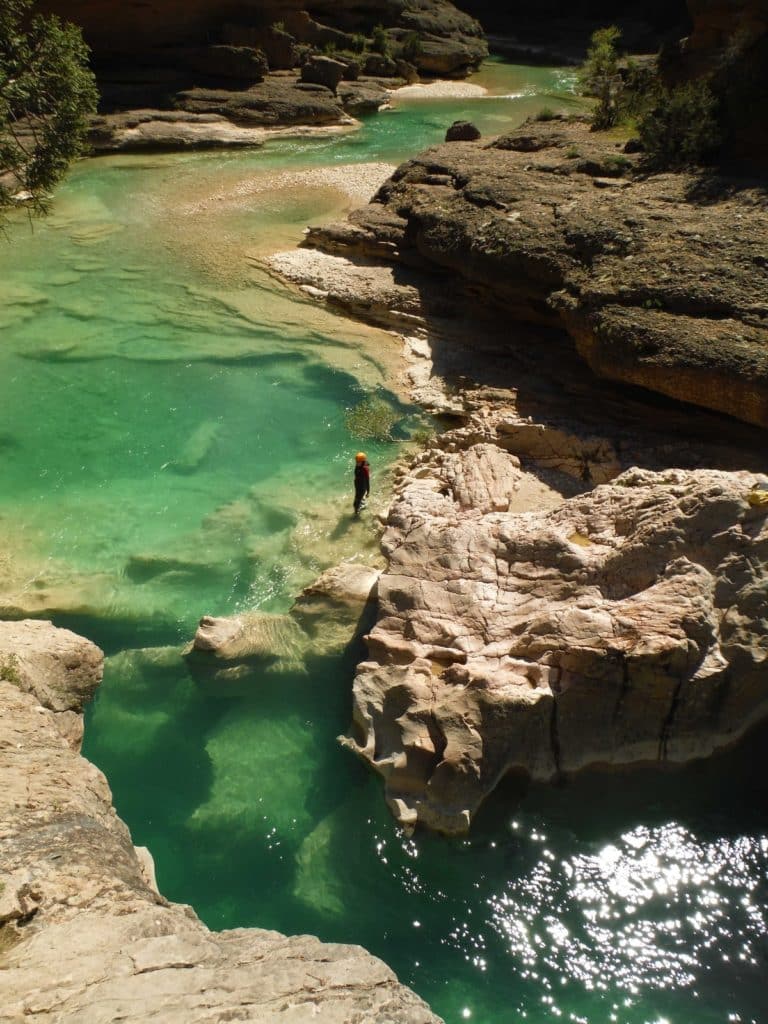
<point x="628" y="624"/>
<point x="661" y="281"/>
<point x="84" y="935"/>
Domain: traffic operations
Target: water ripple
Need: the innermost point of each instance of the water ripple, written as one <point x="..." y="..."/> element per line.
<point x="649" y="911"/>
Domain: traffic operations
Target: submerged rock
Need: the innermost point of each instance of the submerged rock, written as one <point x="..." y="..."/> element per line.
<point x="276" y="642"/>
<point x="323" y="619"/>
<point x="82" y="925"/>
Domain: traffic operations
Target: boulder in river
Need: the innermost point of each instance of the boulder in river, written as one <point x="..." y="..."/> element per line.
<point x="628" y="624"/>
<point x="462" y="131"/>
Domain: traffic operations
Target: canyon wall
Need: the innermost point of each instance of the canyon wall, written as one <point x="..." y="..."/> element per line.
<point x="147" y="54"/>
<point x="542" y="610"/>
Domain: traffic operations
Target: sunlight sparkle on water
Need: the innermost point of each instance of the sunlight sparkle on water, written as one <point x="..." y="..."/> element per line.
<point x="646" y="912"/>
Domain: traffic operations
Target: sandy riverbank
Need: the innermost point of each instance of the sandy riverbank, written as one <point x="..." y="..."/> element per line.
<point x="356" y="182"/>
<point x="439" y="90"/>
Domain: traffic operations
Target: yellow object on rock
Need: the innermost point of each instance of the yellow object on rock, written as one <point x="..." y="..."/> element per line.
<point x="758" y="498"/>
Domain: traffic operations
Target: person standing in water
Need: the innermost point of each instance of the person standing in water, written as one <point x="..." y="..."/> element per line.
<point x="362" y="481"/>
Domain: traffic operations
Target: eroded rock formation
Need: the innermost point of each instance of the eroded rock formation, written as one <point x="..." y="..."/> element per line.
<point x="661" y="281"/>
<point x="630" y="623"/>
<point x="548" y="605"/>
<point x="324" y="618"/>
<point x="84" y="934"/>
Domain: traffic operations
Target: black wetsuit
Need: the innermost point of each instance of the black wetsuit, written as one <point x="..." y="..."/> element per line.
<point x="362" y="483"/>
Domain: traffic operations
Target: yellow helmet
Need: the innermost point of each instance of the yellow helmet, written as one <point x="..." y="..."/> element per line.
<point x="361" y="457"/>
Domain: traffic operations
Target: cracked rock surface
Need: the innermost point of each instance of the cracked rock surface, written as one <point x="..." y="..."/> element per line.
<point x="629" y="623"/>
<point x="84" y="934"/>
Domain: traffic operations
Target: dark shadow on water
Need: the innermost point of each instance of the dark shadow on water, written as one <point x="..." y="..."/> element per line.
<point x="122" y="632"/>
<point x="722" y="794"/>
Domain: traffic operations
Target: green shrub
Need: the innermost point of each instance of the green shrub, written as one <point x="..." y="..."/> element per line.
<point x="638" y="91"/>
<point x="380" y="41"/>
<point x="359" y="43"/>
<point x="47" y="86"/>
<point x="545" y="114"/>
<point x="617" y="163"/>
<point x="373" y="418"/>
<point x="681" y="128"/>
<point x="412" y="46"/>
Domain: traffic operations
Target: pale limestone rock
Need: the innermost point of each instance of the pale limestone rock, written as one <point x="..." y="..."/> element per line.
<point x="331" y="607"/>
<point x="62" y="669"/>
<point x="147" y="867"/>
<point x="323" y="618"/>
<point x="252" y="635"/>
<point x="628" y="624"/>
<point x="85" y="937"/>
<point x="379" y="294"/>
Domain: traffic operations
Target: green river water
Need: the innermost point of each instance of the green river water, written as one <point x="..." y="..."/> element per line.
<point x="173" y="443"/>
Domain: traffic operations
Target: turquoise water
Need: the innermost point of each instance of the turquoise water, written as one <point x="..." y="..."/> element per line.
<point x="173" y="443"/>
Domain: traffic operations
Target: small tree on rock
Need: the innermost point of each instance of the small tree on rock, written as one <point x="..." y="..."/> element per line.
<point x="599" y="76"/>
<point x="380" y="41"/>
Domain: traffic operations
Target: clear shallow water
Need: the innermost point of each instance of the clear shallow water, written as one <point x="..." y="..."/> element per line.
<point x="172" y="442"/>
